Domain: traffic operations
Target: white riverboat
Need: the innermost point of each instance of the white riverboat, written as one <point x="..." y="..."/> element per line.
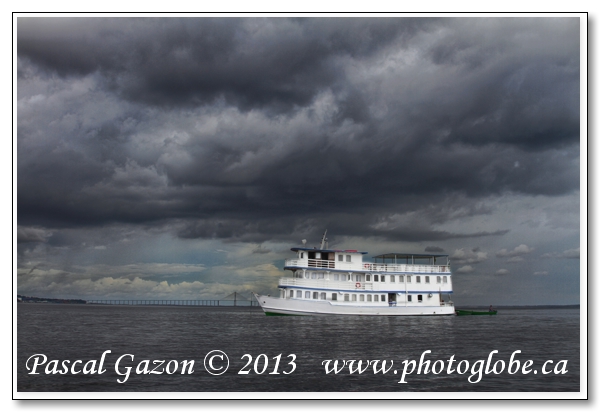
<point x="338" y="282"/>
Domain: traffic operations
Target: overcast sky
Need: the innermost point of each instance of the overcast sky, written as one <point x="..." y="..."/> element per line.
<point x="181" y="158"/>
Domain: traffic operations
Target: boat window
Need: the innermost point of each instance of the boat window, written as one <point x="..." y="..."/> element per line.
<point x="302" y="255"/>
<point x="336" y="276"/>
<point x="353" y="298"/>
<point x="344" y="278"/>
<point x="291" y="294"/>
<point x="445" y="279"/>
<point x="369" y="298"/>
<point x="383" y="298"/>
<point x="383" y="278"/>
<point x="426" y="279"/>
<point x="420" y="298"/>
<point x="346" y="297"/>
<point x="401" y="278"/>
<point x="439" y="279"/>
<point x="418" y="279"/>
<point x="408" y="278"/>
<point x="376" y="298"/>
<point x="323" y="296"/>
<point x="313" y="275"/>
<point x="409" y="298"/>
<point x="340" y="258"/>
<point x="315" y="295"/>
<point x="393" y="278"/>
<point x="368" y="278"/>
<point x="307" y="295"/>
<point x="362" y="298"/>
<point x="376" y="278"/>
<point x="334" y="296"/>
<point x="348" y="258"/>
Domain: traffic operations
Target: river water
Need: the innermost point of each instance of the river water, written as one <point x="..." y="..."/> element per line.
<point x="287" y="354"/>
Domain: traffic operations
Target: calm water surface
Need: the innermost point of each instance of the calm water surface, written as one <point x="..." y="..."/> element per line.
<point x="84" y="332"/>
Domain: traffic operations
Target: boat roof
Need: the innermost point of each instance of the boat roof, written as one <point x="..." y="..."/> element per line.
<point x="296" y="249"/>
<point x="407" y="255"/>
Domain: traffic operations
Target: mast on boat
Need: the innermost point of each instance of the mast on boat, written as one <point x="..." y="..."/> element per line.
<point x="323" y="240"/>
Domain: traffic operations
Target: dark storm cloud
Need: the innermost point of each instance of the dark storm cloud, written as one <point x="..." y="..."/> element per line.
<point x="243" y="129"/>
<point x="434" y="249"/>
<point x="284" y="228"/>
<point x="249" y="62"/>
<point x="32" y="235"/>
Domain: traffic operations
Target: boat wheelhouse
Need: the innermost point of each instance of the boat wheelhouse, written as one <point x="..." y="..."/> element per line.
<point x="339" y="282"/>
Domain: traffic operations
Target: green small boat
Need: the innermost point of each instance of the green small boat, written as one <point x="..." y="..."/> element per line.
<point x="461" y="312"/>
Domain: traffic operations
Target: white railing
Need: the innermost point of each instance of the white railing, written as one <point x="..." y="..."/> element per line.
<point x="366" y="267"/>
<point x="318" y="263"/>
<point x="386" y="267"/>
<point x="314" y="263"/>
<point x="325" y="284"/>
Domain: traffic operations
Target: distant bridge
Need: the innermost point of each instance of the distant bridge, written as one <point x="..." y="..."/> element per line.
<point x="234" y="299"/>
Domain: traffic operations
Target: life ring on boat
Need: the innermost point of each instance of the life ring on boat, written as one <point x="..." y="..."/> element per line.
<point x="357" y="285"/>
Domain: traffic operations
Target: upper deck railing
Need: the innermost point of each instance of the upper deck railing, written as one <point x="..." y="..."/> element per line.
<point x="325" y="284"/>
<point x="366" y="266"/>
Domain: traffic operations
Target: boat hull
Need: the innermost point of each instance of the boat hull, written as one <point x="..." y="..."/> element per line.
<point x="460" y="312"/>
<point x="273" y="306"/>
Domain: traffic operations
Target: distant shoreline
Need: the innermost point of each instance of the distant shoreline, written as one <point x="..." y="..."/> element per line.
<point x="241" y="302"/>
<point x="32" y="299"/>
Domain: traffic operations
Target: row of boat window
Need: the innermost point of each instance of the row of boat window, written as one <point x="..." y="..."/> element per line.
<point x="346" y="297"/>
<point x="374" y="278"/>
<point x="382" y="278"/>
<point x="334" y="296"/>
<point x="348" y="258"/>
<point x="340" y="257"/>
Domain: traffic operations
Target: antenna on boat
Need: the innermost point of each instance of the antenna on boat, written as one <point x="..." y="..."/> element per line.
<point x="324" y="239"/>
